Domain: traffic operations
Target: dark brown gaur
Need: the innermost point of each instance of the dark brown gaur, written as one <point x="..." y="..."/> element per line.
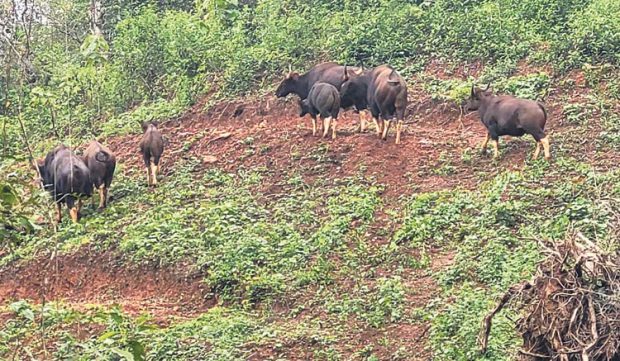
<point x="323" y="100"/>
<point x="151" y="147"/>
<point x="383" y="91"/>
<point x="65" y="176"/>
<point x="101" y="163"/>
<point x="330" y="73"/>
<point x="507" y="115"/>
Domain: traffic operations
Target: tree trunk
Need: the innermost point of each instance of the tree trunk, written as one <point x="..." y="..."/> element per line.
<point x="96" y="17"/>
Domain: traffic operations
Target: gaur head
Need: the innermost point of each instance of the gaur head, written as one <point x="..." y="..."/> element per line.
<point x="304" y="107"/>
<point x="145" y="125"/>
<point x="39" y="167"/>
<point x="473" y="103"/>
<point x="353" y="90"/>
<point x="287" y="86"/>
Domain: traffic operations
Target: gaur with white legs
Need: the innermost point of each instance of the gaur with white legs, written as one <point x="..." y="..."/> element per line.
<point x="507" y="115"/>
<point x="383" y="91"/>
<point x="331" y="73"/>
<point x="151" y="147"/>
<point x="323" y="100"/>
<point x="101" y="163"/>
<point x="65" y="176"/>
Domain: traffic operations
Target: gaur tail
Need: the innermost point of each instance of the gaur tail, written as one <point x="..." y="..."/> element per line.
<point x="391" y="79"/>
<point x="102" y="156"/>
<point x="542" y="107"/>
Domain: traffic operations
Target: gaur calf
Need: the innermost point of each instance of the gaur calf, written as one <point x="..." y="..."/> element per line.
<point x="507" y="115"/>
<point x="383" y="91"/>
<point x="330" y="73"/>
<point x="151" y="147"/>
<point x="67" y="179"/>
<point x="101" y="163"/>
<point x="323" y="100"/>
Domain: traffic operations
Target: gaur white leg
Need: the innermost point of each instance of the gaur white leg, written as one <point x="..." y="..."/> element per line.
<point x="545" y="144"/>
<point x="537" y="151"/>
<point x="148" y="175"/>
<point x="102" y="196"/>
<point x="154" y="173"/>
<point x="326" y="124"/>
<point x="313" y="126"/>
<point x="386" y="128"/>
<point x="378" y="125"/>
<point x="334" y="128"/>
<point x="483" y="148"/>
<point x="73" y="212"/>
<point x="362" y="115"/>
<point x="58" y="213"/>
<point x="495" y="148"/>
<point x="399" y="128"/>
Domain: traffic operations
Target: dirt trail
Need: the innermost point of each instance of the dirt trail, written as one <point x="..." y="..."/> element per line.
<point x="268" y="133"/>
<point x="102" y="279"/>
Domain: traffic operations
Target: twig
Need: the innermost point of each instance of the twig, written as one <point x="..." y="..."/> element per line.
<point x="526" y="353"/>
<point x="483" y="338"/>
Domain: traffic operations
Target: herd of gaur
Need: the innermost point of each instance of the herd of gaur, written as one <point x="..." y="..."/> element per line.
<point x="323" y="91"/>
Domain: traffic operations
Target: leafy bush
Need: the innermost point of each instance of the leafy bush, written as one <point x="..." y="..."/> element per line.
<point x="593" y="35"/>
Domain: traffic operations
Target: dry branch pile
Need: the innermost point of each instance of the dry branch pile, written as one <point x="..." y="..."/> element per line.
<point x="571" y="309"/>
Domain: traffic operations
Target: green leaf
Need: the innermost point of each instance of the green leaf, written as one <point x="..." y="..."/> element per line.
<point x="125" y="355"/>
<point x="107" y="335"/>
<point x="8" y="195"/>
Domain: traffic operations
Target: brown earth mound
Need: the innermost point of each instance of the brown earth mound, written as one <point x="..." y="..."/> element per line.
<point x="89" y="278"/>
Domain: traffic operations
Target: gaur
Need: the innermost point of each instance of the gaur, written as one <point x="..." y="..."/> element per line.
<point x="151" y="147"/>
<point x="507" y="115"/>
<point x="101" y="163"/>
<point x="383" y="91"/>
<point x="323" y="100"/>
<point x="67" y="179"/>
<point x="330" y="73"/>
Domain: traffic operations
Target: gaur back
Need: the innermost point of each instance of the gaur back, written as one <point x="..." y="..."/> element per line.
<point x="101" y="163"/>
<point x="323" y="100"/>
<point x="67" y="179"/>
<point x="383" y="91"/>
<point x="507" y="115"/>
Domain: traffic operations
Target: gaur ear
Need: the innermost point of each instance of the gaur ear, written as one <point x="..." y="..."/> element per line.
<point x="145" y="125"/>
<point x="155" y="123"/>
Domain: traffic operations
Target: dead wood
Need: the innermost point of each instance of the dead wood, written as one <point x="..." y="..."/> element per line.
<point x="570" y="310"/>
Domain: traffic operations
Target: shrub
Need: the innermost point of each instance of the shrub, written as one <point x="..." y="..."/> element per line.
<point x="594" y="35"/>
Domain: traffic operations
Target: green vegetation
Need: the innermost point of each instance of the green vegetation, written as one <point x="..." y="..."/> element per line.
<point x="68" y="81"/>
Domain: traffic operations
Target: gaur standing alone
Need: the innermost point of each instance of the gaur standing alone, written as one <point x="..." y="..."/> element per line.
<point x="507" y="115"/>
<point x="151" y="147"/>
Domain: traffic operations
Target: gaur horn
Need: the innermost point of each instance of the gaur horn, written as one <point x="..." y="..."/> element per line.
<point x="346" y="73"/>
<point x="488" y="86"/>
<point x="472" y="90"/>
